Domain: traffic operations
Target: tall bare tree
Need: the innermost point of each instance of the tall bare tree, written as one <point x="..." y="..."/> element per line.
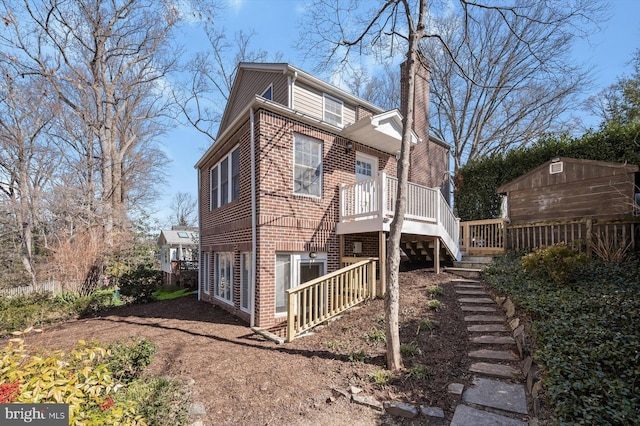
<point x="335" y="30"/>
<point x="27" y="158"/>
<point x="619" y="103"/>
<point x="184" y="210"/>
<point x="505" y="75"/>
<point x="211" y="75"/>
<point x="107" y="62"/>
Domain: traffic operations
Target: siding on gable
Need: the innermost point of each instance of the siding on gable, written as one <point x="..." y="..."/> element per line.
<point x="310" y="101"/>
<point x="255" y="83"/>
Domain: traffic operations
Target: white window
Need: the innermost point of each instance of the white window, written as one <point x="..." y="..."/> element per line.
<point x="245" y="280"/>
<point x="235" y="174"/>
<point x="307" y="168"/>
<point x="225" y="180"/>
<point x="268" y="94"/>
<point x="223" y="276"/>
<point x="214" y="188"/>
<point x="332" y="110"/>
<point x="366" y="166"/>
<point x="206" y="277"/>
<point x="293" y="269"/>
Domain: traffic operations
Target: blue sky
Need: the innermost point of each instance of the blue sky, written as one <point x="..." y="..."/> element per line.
<point x="275" y="23"/>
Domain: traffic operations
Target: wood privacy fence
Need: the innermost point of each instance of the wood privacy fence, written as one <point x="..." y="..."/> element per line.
<point x="494" y="236"/>
<point x="325" y="297"/>
<point x="584" y="234"/>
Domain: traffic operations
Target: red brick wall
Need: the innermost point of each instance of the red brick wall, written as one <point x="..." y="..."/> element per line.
<point x="285" y="222"/>
<point x="370" y="245"/>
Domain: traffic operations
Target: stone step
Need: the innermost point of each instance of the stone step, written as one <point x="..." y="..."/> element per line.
<point x="464" y="281"/>
<point x="479" y="300"/>
<point x="469" y="265"/>
<point x="484" y="318"/>
<point x="486" y="328"/>
<point x="495" y="370"/>
<point x="469" y="286"/>
<point x="478" y="309"/>
<point x="467" y="416"/>
<point x="464" y="272"/>
<point x="496" y="394"/>
<point x="477" y="259"/>
<point x="472" y="292"/>
<point x="496" y="355"/>
<point x="493" y="340"/>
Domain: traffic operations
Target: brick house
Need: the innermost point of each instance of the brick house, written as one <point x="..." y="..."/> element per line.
<point x="302" y="174"/>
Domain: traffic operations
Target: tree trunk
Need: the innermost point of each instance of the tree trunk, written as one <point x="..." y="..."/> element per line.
<point x="392" y="300"/>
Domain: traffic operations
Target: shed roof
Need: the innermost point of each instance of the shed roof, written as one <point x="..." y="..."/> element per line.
<point x="597" y="168"/>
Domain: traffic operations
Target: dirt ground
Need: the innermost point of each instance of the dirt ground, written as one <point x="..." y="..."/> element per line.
<point x="243" y="379"/>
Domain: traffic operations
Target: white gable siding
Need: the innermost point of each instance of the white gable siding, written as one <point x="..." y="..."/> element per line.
<point x="310" y="101"/>
<point x="255" y="83"/>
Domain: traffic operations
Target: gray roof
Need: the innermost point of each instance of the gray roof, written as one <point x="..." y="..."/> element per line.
<point x="178" y="237"/>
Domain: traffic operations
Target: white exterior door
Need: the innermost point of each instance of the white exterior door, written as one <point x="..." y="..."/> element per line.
<point x="366" y="172"/>
<point x="293" y="269"/>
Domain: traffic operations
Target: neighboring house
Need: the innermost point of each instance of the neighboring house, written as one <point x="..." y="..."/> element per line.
<point x="178" y="251"/>
<point x="302" y="175"/>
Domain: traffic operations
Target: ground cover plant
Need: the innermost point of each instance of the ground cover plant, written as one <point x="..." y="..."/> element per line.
<point x="141" y="285"/>
<point x="37" y="309"/>
<point x="585" y="331"/>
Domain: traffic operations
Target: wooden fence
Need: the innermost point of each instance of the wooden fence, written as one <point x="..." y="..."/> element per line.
<point x="49" y="286"/>
<point x="494" y="236"/>
<point x="482" y="237"/>
<point x="325" y="297"/>
<point x="584" y="234"/>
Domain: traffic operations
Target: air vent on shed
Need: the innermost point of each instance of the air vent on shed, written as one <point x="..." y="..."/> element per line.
<point x="555" y="167"/>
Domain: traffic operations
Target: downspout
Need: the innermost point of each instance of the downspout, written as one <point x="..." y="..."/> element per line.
<point x="199" y="238"/>
<point x="292" y="80"/>
<point x="254" y="228"/>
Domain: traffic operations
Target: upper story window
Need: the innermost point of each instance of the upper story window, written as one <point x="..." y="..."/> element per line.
<point x="332" y="110"/>
<point x="268" y="94"/>
<point x="225" y="180"/>
<point x="307" y="166"/>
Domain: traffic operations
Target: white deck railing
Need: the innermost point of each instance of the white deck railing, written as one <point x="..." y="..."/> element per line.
<point x="375" y="198"/>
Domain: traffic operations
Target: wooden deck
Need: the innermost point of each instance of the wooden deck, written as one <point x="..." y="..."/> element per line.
<point x="369" y="205"/>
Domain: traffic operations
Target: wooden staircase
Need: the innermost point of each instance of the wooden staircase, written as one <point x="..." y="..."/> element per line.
<point x="422" y="250"/>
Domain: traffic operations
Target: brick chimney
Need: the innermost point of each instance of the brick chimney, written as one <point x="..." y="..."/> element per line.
<point x="429" y="159"/>
<point x="421" y="98"/>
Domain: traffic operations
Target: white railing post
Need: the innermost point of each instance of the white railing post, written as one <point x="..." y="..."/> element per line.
<point x="342" y="201"/>
<point x="438" y="206"/>
<point x="382" y="197"/>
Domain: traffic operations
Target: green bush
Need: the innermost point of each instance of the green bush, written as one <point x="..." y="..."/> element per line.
<point x="558" y="262"/>
<point x="21" y="312"/>
<point x="477" y="181"/>
<point x="128" y="358"/>
<point x="586" y="337"/>
<point x="140" y="283"/>
<point x="79" y="379"/>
